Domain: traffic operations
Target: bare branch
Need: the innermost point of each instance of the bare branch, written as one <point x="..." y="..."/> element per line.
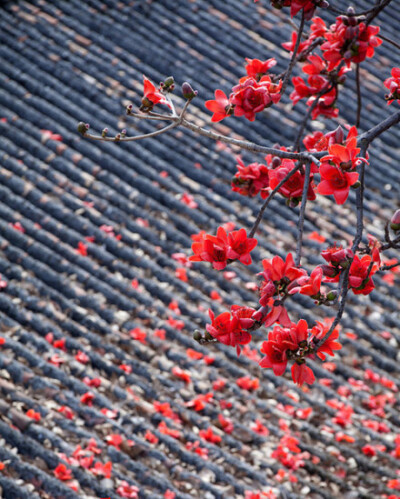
<point x="302" y="213"/>
<point x="136" y="137"/>
<point x="359" y="101"/>
<point x="389" y="267"/>
<point x="293" y="59"/>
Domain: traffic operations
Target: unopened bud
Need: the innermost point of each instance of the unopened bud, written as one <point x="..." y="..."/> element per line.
<point x="276" y="162"/>
<point x="208" y="336"/>
<point x="83" y="127"/>
<point x="168" y="84"/>
<point x="329" y="271"/>
<point x="395" y="221"/>
<point x="197" y="336"/>
<point x="187" y="91"/>
<point x="332" y="295"/>
<point x="350" y="11"/>
<point x="123" y="133"/>
<point x="104" y="132"/>
<point x="118" y="137"/>
<point x="356" y="185"/>
<point x="129" y="109"/>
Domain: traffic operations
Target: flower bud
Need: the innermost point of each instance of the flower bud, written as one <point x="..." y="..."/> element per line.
<point x="187" y="91"/>
<point x="197" y="336"/>
<point x="276" y="162"/>
<point x="332" y="295"/>
<point x="356" y="185"/>
<point x="395" y="221"/>
<point x="208" y="336"/>
<point x="336" y="137"/>
<point x="104" y="132"/>
<point x="168" y="84"/>
<point x="329" y="271"/>
<point x="83" y="127"/>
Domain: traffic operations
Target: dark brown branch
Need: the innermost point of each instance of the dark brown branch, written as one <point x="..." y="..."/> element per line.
<point x="359" y="100"/>
<point x="377" y="10"/>
<point x="389" y="267"/>
<point x="381" y="127"/>
<point x="389" y="40"/>
<point x="302" y="213"/>
<point x="293" y="59"/>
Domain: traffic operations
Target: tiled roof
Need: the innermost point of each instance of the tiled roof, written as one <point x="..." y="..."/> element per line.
<point x="67" y="61"/>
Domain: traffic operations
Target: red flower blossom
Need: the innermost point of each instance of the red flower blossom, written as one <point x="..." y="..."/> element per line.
<point x="393" y="85"/>
<point x="251" y="179"/>
<point x="221" y="107"/>
<point x="256" y="68"/>
<point x="213" y="249"/>
<point x="251" y="97"/>
<point x="276" y="269"/>
<point x="302" y="374"/>
<point x="228" y="330"/>
<point x="87" y="398"/>
<point x="240" y="246"/>
<point x="127" y="491"/>
<point x="33" y="415"/>
<point x="62" y="472"/>
<point x="292" y="188"/>
<point x="210" y="436"/>
<point x="335" y="181"/>
<point x="349" y="42"/>
<point x="308" y="285"/>
<point x="152" y="96"/>
<point x="319" y="331"/>
<point x="360" y="275"/>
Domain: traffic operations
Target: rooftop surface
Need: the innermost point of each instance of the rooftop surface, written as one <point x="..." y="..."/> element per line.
<point x="99" y="311"/>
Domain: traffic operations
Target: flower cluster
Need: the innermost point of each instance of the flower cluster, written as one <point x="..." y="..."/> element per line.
<point x="393" y="85"/>
<point x="322" y="85"/>
<point x="297" y="342"/>
<point x="230" y="328"/>
<point x="349" y="39"/>
<point x="251" y="179"/>
<point x="254" y="93"/>
<point x="258" y="178"/>
<point x="222" y="248"/>
<point x="360" y="272"/>
<point x="296" y="6"/>
<point x="337" y="168"/>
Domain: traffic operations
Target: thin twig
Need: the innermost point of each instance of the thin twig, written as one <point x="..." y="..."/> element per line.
<point x="251" y="146"/>
<point x="359" y="101"/>
<point x="269" y="198"/>
<point x="136" y="137"/>
<point x="376" y="11"/>
<point x="303" y="124"/>
<point x="389" y="40"/>
<point x="389" y="267"/>
<point x="302" y="213"/>
<point x="381" y="127"/>
<point x="293" y="59"/>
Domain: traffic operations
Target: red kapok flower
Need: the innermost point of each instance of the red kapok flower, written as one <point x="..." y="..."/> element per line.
<point x="256" y="68"/>
<point x="302" y="374"/>
<point x="152" y="96"/>
<point x="239" y="246"/>
<point x="221" y="106"/>
<point x="335" y="181"/>
<point x="251" y="179"/>
<point x="228" y="330"/>
<point x="393" y="85"/>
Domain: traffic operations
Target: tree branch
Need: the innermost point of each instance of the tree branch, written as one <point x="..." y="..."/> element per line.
<point x="359" y="101"/>
<point x="302" y="213"/>
<point x="293" y="59"/>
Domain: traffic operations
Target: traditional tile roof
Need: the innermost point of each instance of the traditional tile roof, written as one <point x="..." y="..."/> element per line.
<point x="88" y="231"/>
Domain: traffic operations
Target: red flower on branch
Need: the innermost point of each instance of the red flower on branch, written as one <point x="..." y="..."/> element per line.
<point x="152" y="96"/>
<point x="221" y="106"/>
<point x="393" y="85"/>
<point x="360" y="275"/>
<point x="335" y="181"/>
<point x="256" y="68"/>
<point x="302" y="374"/>
<point x="251" y="97"/>
<point x="250" y="180"/>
